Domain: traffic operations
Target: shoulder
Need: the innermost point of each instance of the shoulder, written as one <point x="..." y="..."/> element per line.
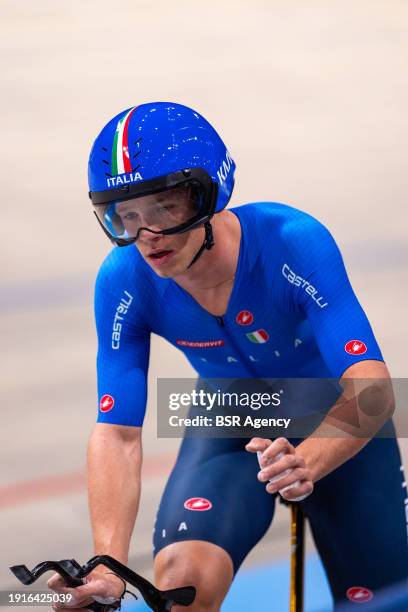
<point x="284" y="224"/>
<point x="124" y="272"/>
<point x="123" y="268"/>
<point x="273" y="213"/>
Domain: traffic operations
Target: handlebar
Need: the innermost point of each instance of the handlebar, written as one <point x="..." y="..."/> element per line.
<point x="73" y="574"/>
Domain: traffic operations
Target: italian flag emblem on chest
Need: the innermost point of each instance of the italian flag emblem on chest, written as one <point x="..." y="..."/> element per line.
<point x="258" y="337"/>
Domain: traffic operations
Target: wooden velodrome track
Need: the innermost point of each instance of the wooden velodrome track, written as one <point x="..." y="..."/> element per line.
<point x="311" y="98"/>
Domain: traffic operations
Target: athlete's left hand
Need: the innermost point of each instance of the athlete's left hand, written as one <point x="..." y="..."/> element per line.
<point x="281" y="462"/>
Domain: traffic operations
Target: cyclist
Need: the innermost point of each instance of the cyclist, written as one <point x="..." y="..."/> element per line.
<point x="257" y="291"/>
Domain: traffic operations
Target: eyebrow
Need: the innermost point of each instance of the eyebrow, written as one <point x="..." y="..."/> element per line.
<point x="124" y="209"/>
<point x="159" y="197"/>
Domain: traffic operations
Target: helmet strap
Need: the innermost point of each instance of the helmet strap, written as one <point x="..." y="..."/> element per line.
<point x="207" y="244"/>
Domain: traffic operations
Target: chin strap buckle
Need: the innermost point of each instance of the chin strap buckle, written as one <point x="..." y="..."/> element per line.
<point x="209" y="236"/>
<point x="207" y="244"/>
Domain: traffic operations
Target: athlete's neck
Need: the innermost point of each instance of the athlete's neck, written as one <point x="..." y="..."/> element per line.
<point x="215" y="267"/>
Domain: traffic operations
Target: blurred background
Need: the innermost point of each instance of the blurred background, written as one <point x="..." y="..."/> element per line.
<point x="311" y="99"/>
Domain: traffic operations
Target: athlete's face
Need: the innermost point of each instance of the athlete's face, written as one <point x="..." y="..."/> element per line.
<point x="168" y="255"/>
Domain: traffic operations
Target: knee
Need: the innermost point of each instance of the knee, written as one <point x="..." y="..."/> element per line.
<point x="176" y="573"/>
<point x="211" y="580"/>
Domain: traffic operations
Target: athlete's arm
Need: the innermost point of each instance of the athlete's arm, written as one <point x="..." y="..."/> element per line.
<point x="114" y="466"/>
<point x="365" y="407"/>
<point x="368" y="396"/>
<point x="318" y="286"/>
<point x="347" y="345"/>
<point x="115" y="450"/>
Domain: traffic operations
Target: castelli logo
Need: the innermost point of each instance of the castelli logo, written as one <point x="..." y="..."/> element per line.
<point x="245" y="317"/>
<point x="355" y="347"/>
<point x="359" y="594"/>
<point x="106" y="403"/>
<point x="199" y="504"/>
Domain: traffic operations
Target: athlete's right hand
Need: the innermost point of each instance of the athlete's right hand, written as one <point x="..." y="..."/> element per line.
<point x="98" y="586"/>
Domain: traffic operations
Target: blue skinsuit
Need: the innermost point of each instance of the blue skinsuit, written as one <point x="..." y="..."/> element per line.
<point x="292" y="313"/>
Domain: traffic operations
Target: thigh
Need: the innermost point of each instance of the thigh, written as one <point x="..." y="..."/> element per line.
<point x="357" y="516"/>
<point x="213" y="495"/>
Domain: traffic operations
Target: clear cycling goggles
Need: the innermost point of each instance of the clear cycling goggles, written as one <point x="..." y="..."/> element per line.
<point x="168" y="210"/>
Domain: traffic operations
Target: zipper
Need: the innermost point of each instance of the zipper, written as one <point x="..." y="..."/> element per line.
<point x="245" y="362"/>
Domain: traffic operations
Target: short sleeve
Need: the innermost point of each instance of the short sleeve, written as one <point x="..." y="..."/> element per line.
<point x="123" y="349"/>
<point x="321" y="289"/>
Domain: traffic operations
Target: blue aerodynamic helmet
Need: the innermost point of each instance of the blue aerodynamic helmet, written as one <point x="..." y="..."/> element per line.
<point x="151" y="149"/>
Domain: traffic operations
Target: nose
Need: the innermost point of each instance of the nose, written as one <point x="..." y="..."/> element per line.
<point x="147" y="237"/>
<point x="146" y="222"/>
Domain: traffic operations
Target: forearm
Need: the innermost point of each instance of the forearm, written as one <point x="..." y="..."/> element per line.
<point x="352" y="422"/>
<point x="323" y="455"/>
<point x="114" y="467"/>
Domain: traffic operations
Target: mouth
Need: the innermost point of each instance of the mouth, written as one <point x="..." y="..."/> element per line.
<point x="160" y="257"/>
